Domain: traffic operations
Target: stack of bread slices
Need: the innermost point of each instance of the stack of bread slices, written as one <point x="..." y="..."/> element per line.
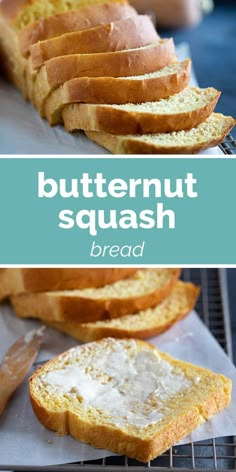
<point x="102" y="68"/>
<point x="90" y="304"/>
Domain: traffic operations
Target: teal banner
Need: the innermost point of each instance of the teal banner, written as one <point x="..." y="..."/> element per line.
<point x="101" y="211"/>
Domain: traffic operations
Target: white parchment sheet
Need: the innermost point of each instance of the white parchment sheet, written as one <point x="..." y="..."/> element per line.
<point x="22" y="131"/>
<point x="189" y="340"/>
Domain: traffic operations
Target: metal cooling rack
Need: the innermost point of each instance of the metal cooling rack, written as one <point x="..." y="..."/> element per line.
<point x="229" y="145"/>
<point x="219" y="454"/>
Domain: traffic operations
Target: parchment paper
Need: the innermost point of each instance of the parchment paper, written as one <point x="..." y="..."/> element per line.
<point x="22" y="131"/>
<point x="189" y="340"/>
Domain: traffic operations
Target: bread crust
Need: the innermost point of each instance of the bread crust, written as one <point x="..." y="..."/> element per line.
<point x="12" y="64"/>
<point x="75" y="20"/>
<point x="87" y="332"/>
<point x="117" y="121"/>
<point x="128" y="33"/>
<point x="9" y="9"/>
<point x="130" y="145"/>
<point x="116" y="64"/>
<point x="21" y="13"/>
<point x="202" y="402"/>
<point x="112" y="90"/>
<point x="62" y="307"/>
<point x="15" y="281"/>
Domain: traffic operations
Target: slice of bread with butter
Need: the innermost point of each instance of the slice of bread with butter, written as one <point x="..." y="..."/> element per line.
<point x="126" y="396"/>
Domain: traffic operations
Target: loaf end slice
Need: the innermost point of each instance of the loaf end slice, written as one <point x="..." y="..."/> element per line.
<point x="144" y="289"/>
<point x="71" y="21"/>
<point x="181" y="111"/>
<point x="142" y="325"/>
<point x="20" y="14"/>
<point x="208" y="134"/>
<point x="126" y="396"/>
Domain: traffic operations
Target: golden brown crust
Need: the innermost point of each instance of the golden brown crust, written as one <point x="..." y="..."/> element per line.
<point x="15" y="281"/>
<point x="128" y="33"/>
<point x="115" y="90"/>
<point x="70" y="21"/>
<point x="87" y="332"/>
<point x="115" y="64"/>
<point x="117" y="121"/>
<point x="9" y="9"/>
<point x="11" y="62"/>
<point x="118" y="441"/>
<point x="62" y="307"/>
<point x="30" y="75"/>
<point x="201" y="402"/>
<point x="130" y="145"/>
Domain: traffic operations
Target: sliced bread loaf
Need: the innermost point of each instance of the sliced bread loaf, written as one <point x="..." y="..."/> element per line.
<point x="144" y="289"/>
<point x="135" y="89"/>
<point x="126" y="396"/>
<point x="70" y="21"/>
<point x="128" y="33"/>
<point x="15" y="281"/>
<point x="207" y="134"/>
<point x="181" y="111"/>
<point x="125" y="34"/>
<point x="142" y="325"/>
<point x="115" y="64"/>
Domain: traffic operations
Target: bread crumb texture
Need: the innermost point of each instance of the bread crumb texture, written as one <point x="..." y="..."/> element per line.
<point x="192" y="98"/>
<point x="214" y="126"/>
<point x="168" y="70"/>
<point x="141" y="283"/>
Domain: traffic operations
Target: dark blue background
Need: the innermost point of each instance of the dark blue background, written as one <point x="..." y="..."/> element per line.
<point x="213" y="50"/>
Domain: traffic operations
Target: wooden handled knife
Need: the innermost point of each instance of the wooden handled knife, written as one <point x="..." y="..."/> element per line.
<point x="17" y="363"/>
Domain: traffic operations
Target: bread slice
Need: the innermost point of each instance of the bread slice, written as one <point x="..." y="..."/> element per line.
<point x="128" y="33"/>
<point x="70" y="21"/>
<point x="126" y="396"/>
<point x="145" y="289"/>
<point x="206" y="135"/>
<point x="181" y="111"/>
<point x="142" y="325"/>
<point x="115" y="64"/>
<point x="15" y="281"/>
<point x="20" y="13"/>
<point x="135" y="89"/>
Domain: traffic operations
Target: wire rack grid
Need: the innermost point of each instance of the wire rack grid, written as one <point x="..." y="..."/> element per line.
<point x="215" y="454"/>
<point x="229" y="145"/>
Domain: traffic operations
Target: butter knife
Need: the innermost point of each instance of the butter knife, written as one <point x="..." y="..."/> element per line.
<point x="17" y="363"/>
